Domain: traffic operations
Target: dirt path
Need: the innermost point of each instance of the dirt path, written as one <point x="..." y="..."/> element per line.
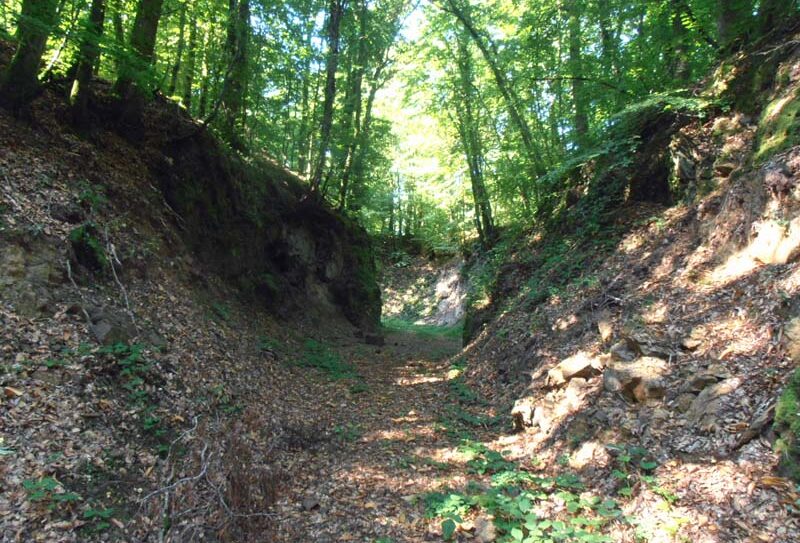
<point x="387" y="447"/>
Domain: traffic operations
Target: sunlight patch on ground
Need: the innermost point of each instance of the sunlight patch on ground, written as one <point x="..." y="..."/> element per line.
<point x="417" y="380"/>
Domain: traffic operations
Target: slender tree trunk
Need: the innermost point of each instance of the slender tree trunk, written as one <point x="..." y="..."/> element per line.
<point x="469" y="132"/>
<point x="119" y="35"/>
<point x="132" y="85"/>
<point x="19" y="84"/>
<point x="191" y="61"/>
<point x="335" y="14"/>
<point x="507" y="91"/>
<point x="356" y="107"/>
<point x="233" y="89"/>
<point x="581" y="125"/>
<point x="207" y="70"/>
<point x="176" y="68"/>
<point x="88" y="54"/>
<point x="680" y="53"/>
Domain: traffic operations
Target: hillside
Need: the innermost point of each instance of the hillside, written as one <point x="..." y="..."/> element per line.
<point x="187" y="267"/>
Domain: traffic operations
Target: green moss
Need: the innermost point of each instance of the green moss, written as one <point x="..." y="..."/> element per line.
<point x="88" y="250"/>
<point x="779" y="127"/>
<point x="787" y="426"/>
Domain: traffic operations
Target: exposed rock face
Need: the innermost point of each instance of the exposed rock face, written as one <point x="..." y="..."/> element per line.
<point x="259" y="228"/>
<point x="579" y="365"/>
<point x="639" y="380"/>
<point x="29" y="268"/>
<point x="707" y="404"/>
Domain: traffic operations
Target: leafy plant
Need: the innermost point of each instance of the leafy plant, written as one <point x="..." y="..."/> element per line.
<point x="46" y="490"/>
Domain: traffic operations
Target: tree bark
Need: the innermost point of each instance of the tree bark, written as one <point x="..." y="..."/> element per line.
<point x="191" y="61"/>
<point x="132" y="83"/>
<point x="581" y="120"/>
<point x="88" y="54"/>
<point x="19" y="84"/>
<point x="336" y="10"/>
<point x="470" y="136"/>
<point x="176" y="68"/>
<point x="233" y="88"/>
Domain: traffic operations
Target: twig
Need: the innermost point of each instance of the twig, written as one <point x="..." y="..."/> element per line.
<point x="204" y="469"/>
<point x="112" y="256"/>
<point x="234" y="513"/>
<point x="80" y="294"/>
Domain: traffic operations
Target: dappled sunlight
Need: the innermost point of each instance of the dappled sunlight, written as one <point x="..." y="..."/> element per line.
<point x="417" y="380"/>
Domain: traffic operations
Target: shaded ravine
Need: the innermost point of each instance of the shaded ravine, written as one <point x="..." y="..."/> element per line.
<point x="387" y="447"/>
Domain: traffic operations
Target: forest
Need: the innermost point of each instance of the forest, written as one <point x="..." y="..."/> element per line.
<point x="439" y="122"/>
<point x="384" y="271"/>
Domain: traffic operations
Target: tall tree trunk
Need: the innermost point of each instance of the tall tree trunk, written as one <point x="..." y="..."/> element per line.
<point x="88" y="54"/>
<point x="734" y="20"/>
<point x="680" y="53"/>
<point x="191" y="61"/>
<point x="176" y="68"/>
<point x="336" y="10"/>
<point x="205" y="83"/>
<point x="119" y="35"/>
<point x="132" y="84"/>
<point x="19" y="84"/>
<point x="469" y="132"/>
<point x="233" y="88"/>
<point x="355" y="108"/>
<point x="581" y="123"/>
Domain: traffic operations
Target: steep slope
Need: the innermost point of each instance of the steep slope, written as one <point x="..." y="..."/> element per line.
<point x="139" y="290"/>
<point x="666" y="331"/>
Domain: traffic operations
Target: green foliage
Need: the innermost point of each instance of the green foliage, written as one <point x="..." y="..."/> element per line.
<point x="46" y="490"/>
<point x="92" y="196"/>
<point x="513" y="498"/>
<point x="88" y="249"/>
<point x="98" y="519"/>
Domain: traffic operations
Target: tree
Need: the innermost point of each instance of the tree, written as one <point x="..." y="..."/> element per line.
<point x="134" y="80"/>
<point x="469" y="133"/>
<point x="336" y="9"/>
<point x="19" y="84"/>
<point x="88" y="55"/>
<point x="233" y="89"/>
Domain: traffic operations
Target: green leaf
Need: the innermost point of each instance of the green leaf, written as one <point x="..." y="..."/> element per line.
<point x="448" y="529"/>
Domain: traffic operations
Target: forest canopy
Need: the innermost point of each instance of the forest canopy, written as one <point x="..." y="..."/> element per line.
<point x="435" y="121"/>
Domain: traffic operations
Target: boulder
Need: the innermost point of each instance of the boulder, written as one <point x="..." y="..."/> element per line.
<point x="485" y="532"/>
<point x="791" y="334"/>
<point x="776" y="243"/>
<point x="111" y="326"/>
<point x="580" y="365"/>
<point x="625" y="350"/>
<point x="640" y="381"/>
<point x="706" y="405"/>
<point x="522" y="413"/>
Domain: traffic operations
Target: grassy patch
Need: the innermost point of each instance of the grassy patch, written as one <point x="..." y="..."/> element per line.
<point x="318" y="356"/>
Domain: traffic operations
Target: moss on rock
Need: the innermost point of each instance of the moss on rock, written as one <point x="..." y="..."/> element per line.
<point x="779" y="127"/>
<point x="787" y="427"/>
